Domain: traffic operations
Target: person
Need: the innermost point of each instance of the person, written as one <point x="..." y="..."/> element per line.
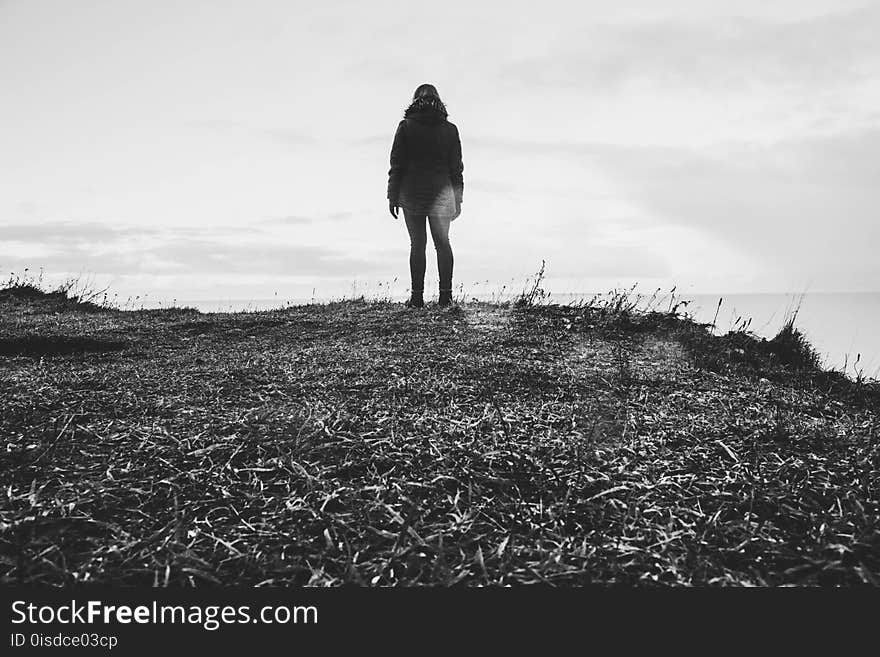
<point x="426" y="180"/>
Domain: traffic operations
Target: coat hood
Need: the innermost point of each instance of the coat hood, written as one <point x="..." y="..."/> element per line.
<point x="426" y="110"/>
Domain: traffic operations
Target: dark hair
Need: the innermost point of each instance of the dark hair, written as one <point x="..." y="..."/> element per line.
<point x="426" y="90"/>
<point x="425" y="97"/>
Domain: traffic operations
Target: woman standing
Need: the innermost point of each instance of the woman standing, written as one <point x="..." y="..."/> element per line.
<point x="426" y="180"/>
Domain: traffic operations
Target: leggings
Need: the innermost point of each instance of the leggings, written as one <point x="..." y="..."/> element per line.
<point x="418" y="239"/>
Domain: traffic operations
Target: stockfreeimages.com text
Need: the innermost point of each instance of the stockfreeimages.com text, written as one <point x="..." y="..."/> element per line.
<point x="211" y="617"/>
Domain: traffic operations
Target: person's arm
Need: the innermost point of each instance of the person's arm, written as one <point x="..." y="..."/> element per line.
<point x="398" y="167"/>
<point x="456" y="169"/>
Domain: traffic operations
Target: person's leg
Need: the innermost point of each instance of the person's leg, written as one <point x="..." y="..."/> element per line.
<point x="418" y="239"/>
<point x="440" y="235"/>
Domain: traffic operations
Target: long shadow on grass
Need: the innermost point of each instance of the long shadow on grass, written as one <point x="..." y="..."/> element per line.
<point x="40" y="345"/>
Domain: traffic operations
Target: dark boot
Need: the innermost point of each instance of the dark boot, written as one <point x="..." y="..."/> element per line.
<point x="445" y="298"/>
<point x="415" y="300"/>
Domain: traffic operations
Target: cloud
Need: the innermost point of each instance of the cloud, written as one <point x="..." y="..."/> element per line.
<point x="74" y="257"/>
<point x="300" y="220"/>
<point x="373" y="141"/>
<point x="103" y="249"/>
<point x="54" y="233"/>
<point x="338" y="216"/>
<point x="723" y="54"/>
<point x="290" y="220"/>
<point x="595" y="259"/>
<point x="259" y="258"/>
<point x="290" y="138"/>
<point x="808" y="206"/>
<point x="241" y="129"/>
<point x="803" y="207"/>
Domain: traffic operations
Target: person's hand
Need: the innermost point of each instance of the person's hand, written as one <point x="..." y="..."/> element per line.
<point x="393" y="208"/>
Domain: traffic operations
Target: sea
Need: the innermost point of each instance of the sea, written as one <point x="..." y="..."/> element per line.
<point x="844" y="328"/>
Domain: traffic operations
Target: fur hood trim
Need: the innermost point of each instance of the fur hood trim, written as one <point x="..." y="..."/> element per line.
<point x="426" y="110"/>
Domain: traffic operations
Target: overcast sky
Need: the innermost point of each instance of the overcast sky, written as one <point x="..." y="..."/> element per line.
<point x="239" y="149"/>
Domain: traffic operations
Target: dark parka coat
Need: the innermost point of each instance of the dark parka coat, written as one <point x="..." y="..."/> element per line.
<point x="426" y="175"/>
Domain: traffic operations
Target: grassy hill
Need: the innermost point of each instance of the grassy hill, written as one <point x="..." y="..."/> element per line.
<point x="361" y="442"/>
